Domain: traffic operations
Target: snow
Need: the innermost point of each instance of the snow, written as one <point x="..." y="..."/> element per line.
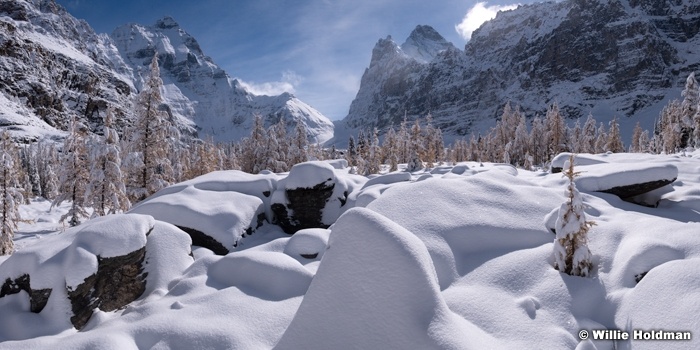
<point x="606" y="176"/>
<point x="462" y="259"/>
<point x="310" y="174"/>
<point x="222" y="215"/>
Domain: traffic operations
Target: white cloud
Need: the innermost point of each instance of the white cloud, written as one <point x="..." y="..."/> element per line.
<point x="477" y="15"/>
<point x="290" y="80"/>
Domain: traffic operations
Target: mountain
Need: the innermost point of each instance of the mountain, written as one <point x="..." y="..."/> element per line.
<point x="54" y="67"/>
<point x="623" y="58"/>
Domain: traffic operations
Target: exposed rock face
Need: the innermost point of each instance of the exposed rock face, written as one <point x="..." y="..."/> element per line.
<point x="37" y="298"/>
<point x="629" y="191"/>
<point x="304" y="209"/>
<point x="118" y="281"/>
<point x="54" y="67"/>
<point x="610" y="58"/>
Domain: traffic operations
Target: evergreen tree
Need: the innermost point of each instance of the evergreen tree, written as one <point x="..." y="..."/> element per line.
<point x="691" y="100"/>
<point x="10" y="194"/>
<point x="351" y="154"/>
<point x="374" y="154"/>
<point x="614" y="141"/>
<point x="74" y="174"/>
<point x="106" y="192"/>
<point x="538" y="144"/>
<point x="148" y="165"/>
<point x="520" y="144"/>
<point x="588" y="135"/>
<point x="390" y="149"/>
<point x="556" y="131"/>
<point x="601" y="139"/>
<point x="635" y="146"/>
<point x="298" y="148"/>
<point x="571" y="253"/>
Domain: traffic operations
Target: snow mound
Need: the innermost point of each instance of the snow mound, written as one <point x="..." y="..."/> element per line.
<point x="267" y="275"/>
<point x="310" y="174"/>
<point x="389" y="298"/>
<point x="579" y="159"/>
<point x="601" y="177"/>
<point x="224" y="216"/>
<point x="491" y="211"/>
<point x="307" y="244"/>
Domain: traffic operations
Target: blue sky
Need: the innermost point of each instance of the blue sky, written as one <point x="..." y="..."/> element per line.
<point x="316" y="49"/>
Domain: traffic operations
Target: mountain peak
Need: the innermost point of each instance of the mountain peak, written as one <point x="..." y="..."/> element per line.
<point x="166" y="22"/>
<point x="424" y="43"/>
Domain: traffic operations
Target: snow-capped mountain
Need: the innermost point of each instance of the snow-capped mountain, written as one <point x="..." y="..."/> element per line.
<point x="621" y="58"/>
<point x="54" y="67"/>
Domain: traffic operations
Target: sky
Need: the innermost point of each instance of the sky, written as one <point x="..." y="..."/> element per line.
<point x="315" y="49"/>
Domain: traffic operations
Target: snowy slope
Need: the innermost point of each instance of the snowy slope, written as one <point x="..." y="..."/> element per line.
<point x="459" y="257"/>
<point x="620" y="58"/>
<point x="202" y="94"/>
<point x="54" y="67"/>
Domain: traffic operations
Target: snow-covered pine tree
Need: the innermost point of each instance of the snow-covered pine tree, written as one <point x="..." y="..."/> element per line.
<point x="148" y="166"/>
<point x="614" y="142"/>
<point x="298" y="148"/>
<point x="404" y="145"/>
<point x="374" y="154"/>
<point x="556" y="131"/>
<point x="520" y="144"/>
<point x="74" y="174"/>
<point x="635" y="146"/>
<point x="671" y="127"/>
<point x="10" y="194"/>
<point x="588" y="135"/>
<point x="283" y="144"/>
<point x="644" y="142"/>
<point x="48" y="179"/>
<point x="691" y="99"/>
<point x="351" y="153"/>
<point x="576" y="135"/>
<point x="390" y="149"/>
<point x="571" y="253"/>
<point x="106" y="192"/>
<point x="538" y="144"/>
<point x="601" y="139"/>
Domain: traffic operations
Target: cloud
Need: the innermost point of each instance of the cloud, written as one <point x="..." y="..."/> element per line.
<point x="290" y="80"/>
<point x="477" y="15"/>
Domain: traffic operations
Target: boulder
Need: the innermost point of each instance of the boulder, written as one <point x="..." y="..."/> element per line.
<point x="98" y="265"/>
<point x="625" y="180"/>
<point x="313" y="195"/>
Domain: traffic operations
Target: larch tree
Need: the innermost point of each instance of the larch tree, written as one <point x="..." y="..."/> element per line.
<point x="149" y="168"/>
<point x="538" y="144"/>
<point x="106" y="192"/>
<point x="691" y="99"/>
<point x="614" y="141"/>
<point x="74" y="175"/>
<point x="635" y="146"/>
<point x="556" y="131"/>
<point x="601" y="139"/>
<point x="10" y="194"/>
<point x="571" y="253"/>
<point x="298" y="148"/>
<point x="588" y="135"/>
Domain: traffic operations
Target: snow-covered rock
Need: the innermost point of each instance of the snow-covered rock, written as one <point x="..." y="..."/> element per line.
<point x="625" y="180"/>
<point x="215" y="215"/>
<point x="313" y="195"/>
<point x="98" y="265"/>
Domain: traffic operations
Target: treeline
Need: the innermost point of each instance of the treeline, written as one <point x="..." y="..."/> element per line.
<point x="525" y="144"/>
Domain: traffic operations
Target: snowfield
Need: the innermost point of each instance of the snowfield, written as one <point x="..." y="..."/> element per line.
<point x="455" y="257"/>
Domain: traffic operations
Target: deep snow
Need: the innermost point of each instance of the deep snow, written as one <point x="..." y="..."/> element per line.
<point x="455" y="257"/>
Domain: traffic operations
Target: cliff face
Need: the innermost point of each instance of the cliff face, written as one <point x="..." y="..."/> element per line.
<point x="54" y="67"/>
<point x="612" y="58"/>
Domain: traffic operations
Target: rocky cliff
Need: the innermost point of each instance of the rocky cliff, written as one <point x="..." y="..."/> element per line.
<point x="623" y="58"/>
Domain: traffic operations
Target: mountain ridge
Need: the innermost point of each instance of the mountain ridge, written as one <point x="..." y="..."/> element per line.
<point x="55" y="67"/>
<point x="624" y="59"/>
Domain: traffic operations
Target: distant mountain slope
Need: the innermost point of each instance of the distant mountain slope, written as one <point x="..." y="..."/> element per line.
<point x="622" y="58"/>
<point x="54" y="67"/>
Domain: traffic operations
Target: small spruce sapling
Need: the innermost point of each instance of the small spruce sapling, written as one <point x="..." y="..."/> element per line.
<point x="571" y="253"/>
